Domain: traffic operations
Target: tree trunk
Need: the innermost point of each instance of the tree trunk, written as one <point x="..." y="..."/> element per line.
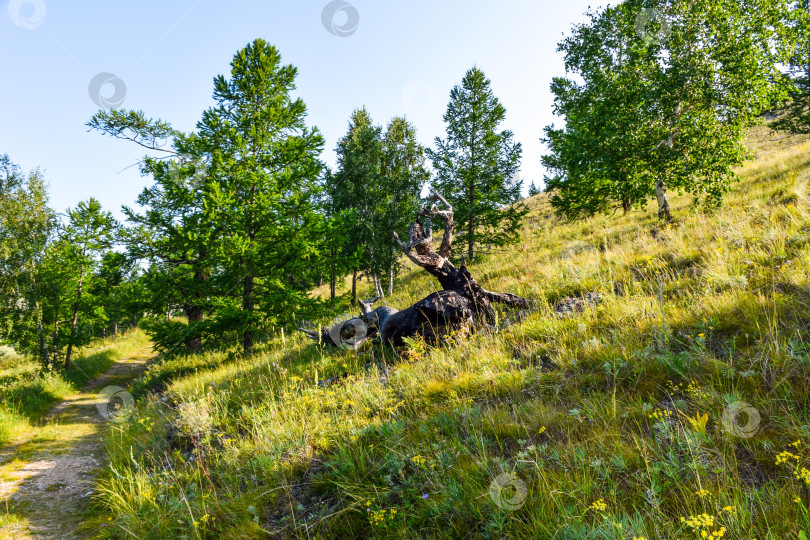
<point x="391" y="276"/>
<point x="194" y="314"/>
<point x="247" y="305"/>
<point x="57" y="343"/>
<point x="471" y="226"/>
<point x="43" y="345"/>
<point x="462" y="300"/>
<point x="377" y="286"/>
<point x="664" y="211"/>
<point x="470" y="196"/>
<point x="75" y="322"/>
<point x="332" y="273"/>
<point x="354" y="288"/>
<point x="247" y="296"/>
<point x="115" y="328"/>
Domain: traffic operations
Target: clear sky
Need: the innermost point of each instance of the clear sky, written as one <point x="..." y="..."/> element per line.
<point x="393" y="57"/>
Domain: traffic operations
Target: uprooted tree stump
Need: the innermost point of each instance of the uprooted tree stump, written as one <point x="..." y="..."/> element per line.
<point x="461" y="303"/>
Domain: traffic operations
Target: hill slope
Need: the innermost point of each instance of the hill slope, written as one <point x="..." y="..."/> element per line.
<point x="676" y="406"/>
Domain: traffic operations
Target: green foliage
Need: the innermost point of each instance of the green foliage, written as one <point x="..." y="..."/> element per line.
<point x="230" y="227"/>
<point x="26" y="226"/>
<point x="664" y="104"/>
<point x="176" y="235"/>
<point x="264" y="174"/>
<point x="89" y="232"/>
<point x="796" y="116"/>
<point x="376" y="187"/>
<point x="476" y="166"/>
<point x="50" y="295"/>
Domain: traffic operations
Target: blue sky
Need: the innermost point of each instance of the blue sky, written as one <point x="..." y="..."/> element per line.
<point x="399" y="58"/>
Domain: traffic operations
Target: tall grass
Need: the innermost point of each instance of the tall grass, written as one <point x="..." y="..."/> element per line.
<point x="617" y="422"/>
<point x="27" y="391"/>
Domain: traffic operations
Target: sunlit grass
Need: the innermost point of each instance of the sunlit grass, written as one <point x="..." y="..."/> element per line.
<point x="612" y="420"/>
<point x="27" y="391"/>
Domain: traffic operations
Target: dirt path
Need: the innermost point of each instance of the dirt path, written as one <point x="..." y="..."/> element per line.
<point x="46" y="479"/>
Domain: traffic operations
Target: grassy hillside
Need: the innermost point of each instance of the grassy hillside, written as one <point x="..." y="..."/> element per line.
<point x="617" y="422"/>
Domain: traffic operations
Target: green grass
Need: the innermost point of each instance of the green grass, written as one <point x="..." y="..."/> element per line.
<point x="608" y="424"/>
<point x="27" y="392"/>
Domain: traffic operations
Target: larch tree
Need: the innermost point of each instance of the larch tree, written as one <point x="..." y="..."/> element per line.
<point x="172" y="230"/>
<point x="88" y="233"/>
<point x="231" y="224"/>
<point x="404" y="173"/>
<point x="476" y="165"/>
<point x="354" y="189"/>
<point x="264" y="171"/>
<point x="377" y="185"/>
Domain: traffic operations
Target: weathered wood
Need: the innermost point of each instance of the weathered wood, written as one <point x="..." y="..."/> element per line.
<point x="462" y="302"/>
<point x="431" y="318"/>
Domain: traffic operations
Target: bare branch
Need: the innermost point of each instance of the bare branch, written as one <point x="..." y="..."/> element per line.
<point x="507" y="298"/>
<point x="365" y="306"/>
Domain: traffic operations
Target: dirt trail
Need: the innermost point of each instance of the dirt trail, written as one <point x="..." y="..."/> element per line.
<point x="46" y="480"/>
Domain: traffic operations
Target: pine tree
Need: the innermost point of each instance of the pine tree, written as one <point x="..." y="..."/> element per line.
<point x="534" y="190"/>
<point x="476" y="165"/>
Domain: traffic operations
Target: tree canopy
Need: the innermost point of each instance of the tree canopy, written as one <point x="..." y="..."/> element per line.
<point x="660" y="97"/>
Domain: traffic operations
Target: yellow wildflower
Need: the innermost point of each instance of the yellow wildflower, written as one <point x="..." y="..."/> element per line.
<point x="599" y="505"/>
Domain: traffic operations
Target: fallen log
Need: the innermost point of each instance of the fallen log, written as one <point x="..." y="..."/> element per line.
<point x="462" y="302"/>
